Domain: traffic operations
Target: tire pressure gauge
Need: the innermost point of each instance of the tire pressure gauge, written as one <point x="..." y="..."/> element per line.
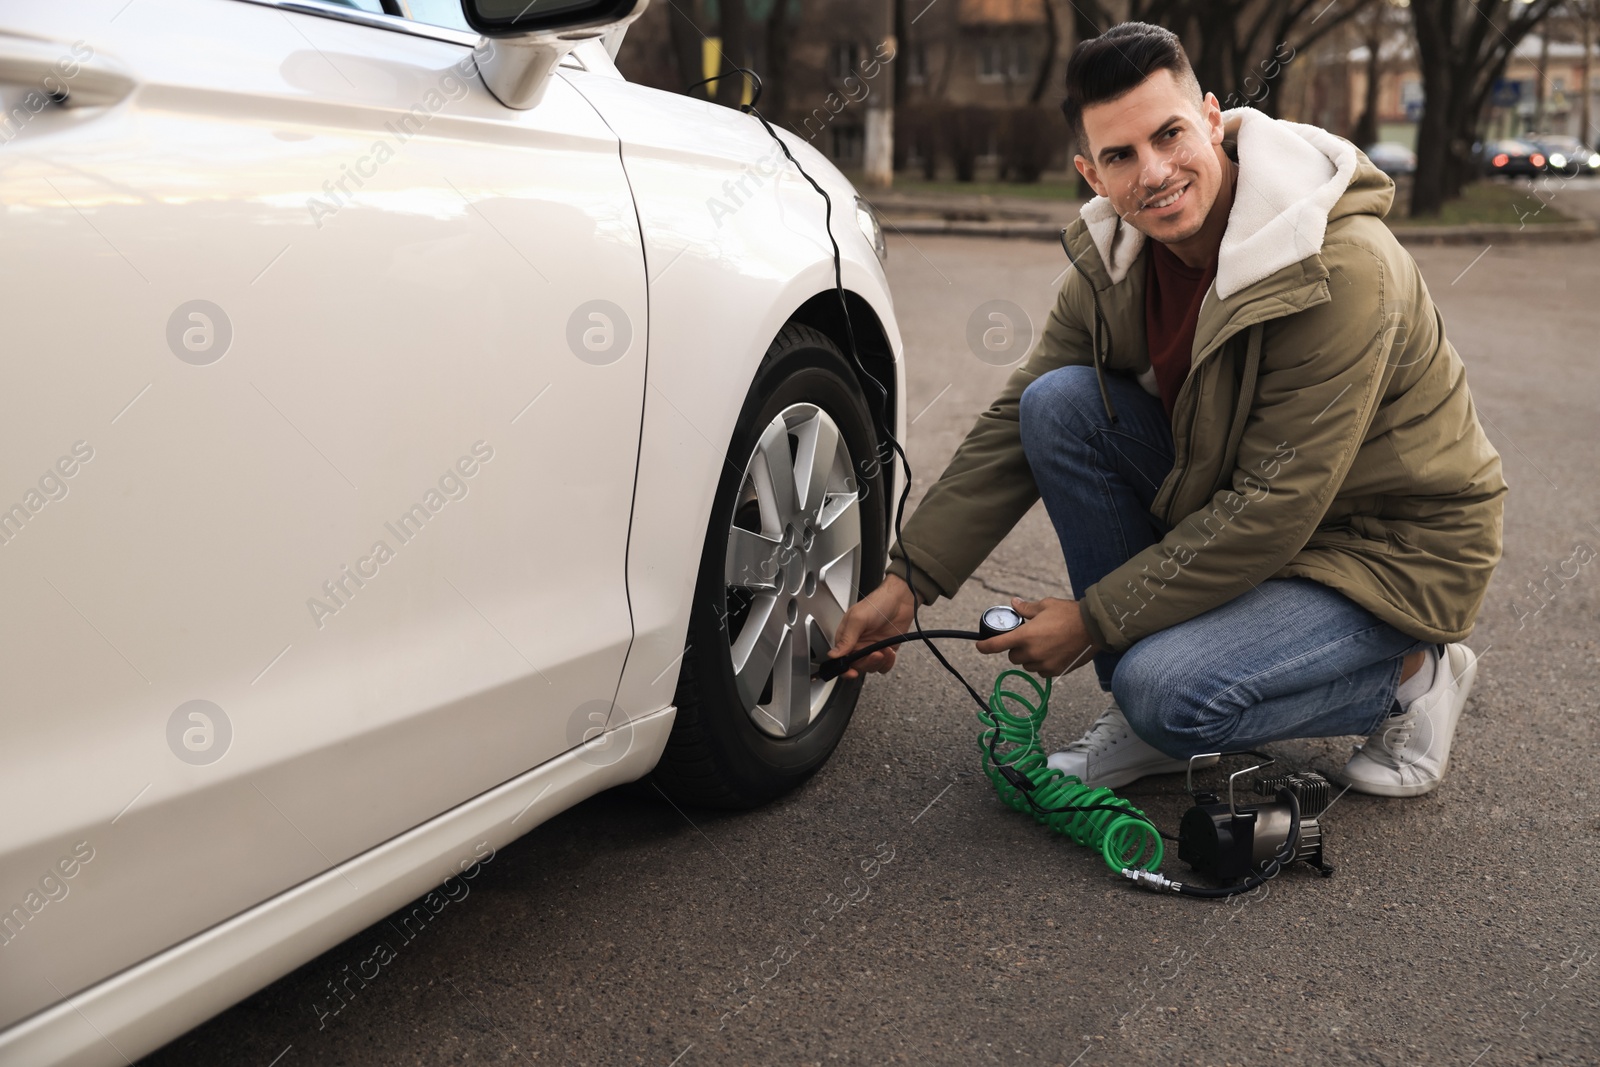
<point x="993" y="622"/>
<point x="998" y="620"/>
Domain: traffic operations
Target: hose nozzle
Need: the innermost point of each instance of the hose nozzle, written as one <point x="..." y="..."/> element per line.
<point x="1154" y="881"/>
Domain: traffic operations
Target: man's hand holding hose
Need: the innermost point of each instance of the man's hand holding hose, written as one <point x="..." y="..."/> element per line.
<point x="885" y="612"/>
<point x="1053" y="642"/>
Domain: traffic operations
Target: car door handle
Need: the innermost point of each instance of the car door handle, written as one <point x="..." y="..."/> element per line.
<point x="72" y="75"/>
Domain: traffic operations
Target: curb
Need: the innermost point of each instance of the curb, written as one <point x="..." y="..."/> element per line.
<point x="1498" y="233"/>
<point x="1036" y="231"/>
<point x="1502" y="233"/>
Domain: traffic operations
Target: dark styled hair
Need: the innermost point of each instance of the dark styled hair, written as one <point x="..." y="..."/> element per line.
<point x="1105" y="67"/>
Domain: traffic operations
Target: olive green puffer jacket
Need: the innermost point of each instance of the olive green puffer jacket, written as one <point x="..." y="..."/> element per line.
<point x="1325" y="430"/>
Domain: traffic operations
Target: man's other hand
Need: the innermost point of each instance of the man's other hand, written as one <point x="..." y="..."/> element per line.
<point x="1052" y="642"/>
<point x="885" y="612"/>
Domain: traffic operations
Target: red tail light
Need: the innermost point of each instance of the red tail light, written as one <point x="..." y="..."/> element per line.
<point x="1537" y="159"/>
<point x="1501" y="160"/>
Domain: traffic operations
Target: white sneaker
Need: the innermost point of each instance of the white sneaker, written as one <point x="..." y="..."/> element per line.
<point x="1112" y="755"/>
<point x="1408" y="754"/>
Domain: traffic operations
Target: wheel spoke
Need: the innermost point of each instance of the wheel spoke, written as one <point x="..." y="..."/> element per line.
<point x="757" y="648"/>
<point x="790" y="709"/>
<point x="752" y="560"/>
<point x="840" y="537"/>
<point x="818" y="444"/>
<point x="773" y="472"/>
<point x="825" y="608"/>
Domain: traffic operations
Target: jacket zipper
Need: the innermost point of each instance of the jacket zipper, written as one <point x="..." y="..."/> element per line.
<point x="1095" y="355"/>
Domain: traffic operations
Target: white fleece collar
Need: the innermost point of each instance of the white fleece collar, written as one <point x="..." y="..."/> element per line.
<point x="1290" y="177"/>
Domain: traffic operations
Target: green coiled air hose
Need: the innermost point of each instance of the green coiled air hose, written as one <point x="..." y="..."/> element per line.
<point x="1016" y="763"/>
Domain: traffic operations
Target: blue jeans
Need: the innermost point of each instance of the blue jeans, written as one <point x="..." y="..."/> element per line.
<point x="1291" y="658"/>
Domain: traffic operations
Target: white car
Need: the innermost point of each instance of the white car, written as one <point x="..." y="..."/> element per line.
<point x="411" y="431"/>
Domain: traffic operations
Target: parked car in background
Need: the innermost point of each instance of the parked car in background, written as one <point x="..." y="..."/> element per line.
<point x="319" y="598"/>
<point x="1565" y="155"/>
<point x="1393" y="158"/>
<point x="1512" y="158"/>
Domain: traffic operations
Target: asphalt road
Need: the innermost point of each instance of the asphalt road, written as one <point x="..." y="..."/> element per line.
<point x="1461" y="927"/>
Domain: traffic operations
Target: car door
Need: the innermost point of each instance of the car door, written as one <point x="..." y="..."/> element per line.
<point x="324" y="374"/>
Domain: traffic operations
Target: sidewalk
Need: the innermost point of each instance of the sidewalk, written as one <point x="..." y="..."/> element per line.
<point x="982" y="215"/>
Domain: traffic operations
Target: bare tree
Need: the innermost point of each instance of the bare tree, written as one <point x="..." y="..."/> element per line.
<point x="1381" y="24"/>
<point x="1463" y="47"/>
<point x="1231" y="42"/>
<point x="1240" y="42"/>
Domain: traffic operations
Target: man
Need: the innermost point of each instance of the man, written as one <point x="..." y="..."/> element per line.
<point x="1278" y="510"/>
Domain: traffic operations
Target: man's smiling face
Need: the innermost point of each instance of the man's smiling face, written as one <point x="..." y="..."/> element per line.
<point x="1157" y="155"/>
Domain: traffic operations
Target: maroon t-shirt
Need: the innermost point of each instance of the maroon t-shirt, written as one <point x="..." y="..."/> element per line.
<point x="1173" y="293"/>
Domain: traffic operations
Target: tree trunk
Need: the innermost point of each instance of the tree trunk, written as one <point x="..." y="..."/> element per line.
<point x="1366" y="131"/>
<point x="878" y="132"/>
<point x="1052" y="46"/>
<point x="1538" y="83"/>
<point x="687" y="49"/>
<point x="775" y="79"/>
<point x="730" y="90"/>
<point x="1586" y="12"/>
<point x="1213" y="60"/>
<point x="1083" y="28"/>
<point x="1428" y="184"/>
<point x="902" y="46"/>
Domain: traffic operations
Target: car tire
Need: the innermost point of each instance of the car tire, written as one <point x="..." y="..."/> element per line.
<point x="766" y="579"/>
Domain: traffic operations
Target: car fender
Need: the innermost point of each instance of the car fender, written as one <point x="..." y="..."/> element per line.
<point x="735" y="242"/>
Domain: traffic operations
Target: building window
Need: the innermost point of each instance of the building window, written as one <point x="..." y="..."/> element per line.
<point x="844" y="59"/>
<point x="1021" y="61"/>
<point x="849" y="143"/>
<point x="917" y="64"/>
<point x="991" y="63"/>
<point x="1003" y="60"/>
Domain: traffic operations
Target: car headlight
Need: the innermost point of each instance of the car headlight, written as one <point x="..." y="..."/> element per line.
<point x="871" y="229"/>
<point x="1594" y="160"/>
<point x="1558" y="160"/>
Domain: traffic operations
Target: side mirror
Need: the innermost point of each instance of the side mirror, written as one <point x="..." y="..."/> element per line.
<point x="525" y="40"/>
